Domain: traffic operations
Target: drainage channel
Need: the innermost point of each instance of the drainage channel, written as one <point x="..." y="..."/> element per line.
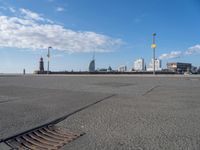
<point x="47" y="136"/>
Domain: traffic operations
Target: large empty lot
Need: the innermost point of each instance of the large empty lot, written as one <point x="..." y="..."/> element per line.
<point x="133" y="112"/>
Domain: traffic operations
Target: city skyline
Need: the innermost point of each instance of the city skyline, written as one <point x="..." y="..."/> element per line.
<point x="119" y="32"/>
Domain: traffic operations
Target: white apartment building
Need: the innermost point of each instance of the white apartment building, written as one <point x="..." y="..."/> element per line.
<point x="158" y="65"/>
<point x="139" y="65"/>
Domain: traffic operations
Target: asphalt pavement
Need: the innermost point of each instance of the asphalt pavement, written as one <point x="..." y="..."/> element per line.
<point x="125" y="111"/>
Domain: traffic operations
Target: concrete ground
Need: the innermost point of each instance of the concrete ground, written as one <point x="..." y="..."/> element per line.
<point x="133" y="112"/>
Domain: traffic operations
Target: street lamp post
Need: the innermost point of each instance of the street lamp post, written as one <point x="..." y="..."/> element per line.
<point x="153" y="46"/>
<point x="48" y="56"/>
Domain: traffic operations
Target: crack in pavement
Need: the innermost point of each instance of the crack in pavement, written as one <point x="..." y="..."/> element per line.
<point x="150" y="90"/>
<point x="1" y="102"/>
<point x="7" y="101"/>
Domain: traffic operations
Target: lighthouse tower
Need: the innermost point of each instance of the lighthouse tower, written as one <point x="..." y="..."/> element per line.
<point x="41" y="65"/>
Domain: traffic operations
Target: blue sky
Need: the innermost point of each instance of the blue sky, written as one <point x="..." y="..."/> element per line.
<point x="119" y="31"/>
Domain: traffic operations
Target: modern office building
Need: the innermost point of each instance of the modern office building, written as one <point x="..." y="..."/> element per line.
<point x="122" y="68"/>
<point x="92" y="66"/>
<point x="179" y="67"/>
<point x="158" y="65"/>
<point x="139" y="65"/>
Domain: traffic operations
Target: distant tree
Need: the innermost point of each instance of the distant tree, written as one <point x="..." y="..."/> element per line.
<point x="109" y="68"/>
<point x="198" y="70"/>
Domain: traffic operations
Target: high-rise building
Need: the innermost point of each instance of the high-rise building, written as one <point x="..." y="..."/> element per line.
<point x="92" y="66"/>
<point x="122" y="68"/>
<point x="139" y="65"/>
<point x="41" y="65"/>
<point x="179" y="67"/>
<point x="158" y="65"/>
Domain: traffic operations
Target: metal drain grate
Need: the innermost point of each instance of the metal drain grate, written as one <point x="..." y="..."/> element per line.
<point x="47" y="138"/>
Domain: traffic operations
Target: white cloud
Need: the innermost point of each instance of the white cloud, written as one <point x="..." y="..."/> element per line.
<point x="193" y="50"/>
<point x="59" y="9"/>
<point x="31" y="31"/>
<point x="31" y="15"/>
<point x="58" y="55"/>
<point x="12" y="9"/>
<point x="173" y="54"/>
<point x="3" y="8"/>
